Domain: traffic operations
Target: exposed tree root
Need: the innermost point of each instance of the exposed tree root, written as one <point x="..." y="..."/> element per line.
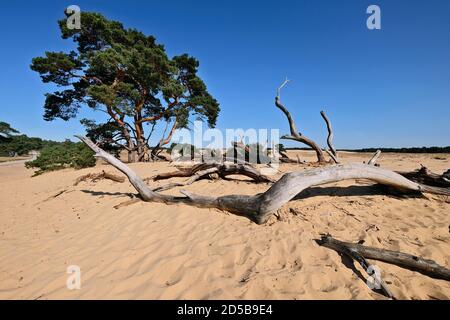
<point x="260" y="207"/>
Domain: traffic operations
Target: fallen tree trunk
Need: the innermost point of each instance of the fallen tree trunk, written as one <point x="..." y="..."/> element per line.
<point x="260" y="207"/>
<point x="222" y="169"/>
<point x="404" y="260"/>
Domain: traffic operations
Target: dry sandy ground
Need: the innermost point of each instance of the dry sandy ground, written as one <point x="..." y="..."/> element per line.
<point x="157" y="251"/>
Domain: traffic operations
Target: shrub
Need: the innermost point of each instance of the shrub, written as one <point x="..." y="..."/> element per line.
<point x="59" y="155"/>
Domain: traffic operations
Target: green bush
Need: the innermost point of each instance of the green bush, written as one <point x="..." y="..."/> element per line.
<point x="58" y="156"/>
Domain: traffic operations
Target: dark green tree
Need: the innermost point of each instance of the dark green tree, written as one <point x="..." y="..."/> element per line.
<point x="127" y="75"/>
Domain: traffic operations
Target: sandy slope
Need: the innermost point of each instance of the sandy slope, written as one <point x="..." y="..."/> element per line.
<point x="155" y="251"/>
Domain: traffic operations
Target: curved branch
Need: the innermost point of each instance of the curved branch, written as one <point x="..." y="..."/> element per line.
<point x="260" y="207"/>
<point x="295" y="135"/>
<point x="164" y="141"/>
<point x="330" y="137"/>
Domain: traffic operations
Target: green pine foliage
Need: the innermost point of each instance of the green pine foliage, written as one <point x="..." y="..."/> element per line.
<point x="61" y="155"/>
<point x="127" y="75"/>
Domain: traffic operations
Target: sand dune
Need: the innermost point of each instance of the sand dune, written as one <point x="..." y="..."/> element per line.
<point x="156" y="251"/>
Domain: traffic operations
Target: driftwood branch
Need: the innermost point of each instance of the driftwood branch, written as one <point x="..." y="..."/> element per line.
<point x="332" y="152"/>
<point x="350" y="251"/>
<point x="295" y="135"/>
<point x="260" y="207"/>
<point x="374" y="159"/>
<point x="332" y="156"/>
<point x="422" y="175"/>
<point x="425" y="176"/>
<point x="196" y="176"/>
<point x="404" y="260"/>
<point x="99" y="176"/>
<point x="222" y="169"/>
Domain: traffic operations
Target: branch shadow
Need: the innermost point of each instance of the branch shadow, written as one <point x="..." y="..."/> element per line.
<point x="350" y="263"/>
<point x="356" y="191"/>
<point x="104" y="193"/>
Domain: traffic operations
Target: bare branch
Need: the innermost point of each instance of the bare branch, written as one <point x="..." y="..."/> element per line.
<point x="374" y="159"/>
<point x="260" y="207"/>
<point x="295" y="135"/>
<point x="412" y="262"/>
<point x="330" y="137"/>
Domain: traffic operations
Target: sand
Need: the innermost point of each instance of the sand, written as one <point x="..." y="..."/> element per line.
<point x="157" y="251"/>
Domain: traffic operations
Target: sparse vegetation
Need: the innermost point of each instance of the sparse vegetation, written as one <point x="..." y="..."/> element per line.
<point x="63" y="155"/>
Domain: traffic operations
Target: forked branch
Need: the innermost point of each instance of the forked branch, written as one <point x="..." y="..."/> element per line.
<point x="404" y="260"/>
<point x="295" y="135"/>
<point x="261" y="206"/>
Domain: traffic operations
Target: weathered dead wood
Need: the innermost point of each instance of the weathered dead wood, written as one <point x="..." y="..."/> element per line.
<point x="404" y="260"/>
<point x="422" y="175"/>
<point x="332" y="151"/>
<point x="425" y="176"/>
<point x="374" y="159"/>
<point x="99" y="176"/>
<point x="332" y="156"/>
<point x="261" y="206"/>
<point x="295" y="135"/>
<point x="222" y="169"/>
<point x="198" y="175"/>
<point x="343" y="248"/>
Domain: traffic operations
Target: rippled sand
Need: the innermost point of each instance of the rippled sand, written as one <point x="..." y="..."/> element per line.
<point x="157" y="251"/>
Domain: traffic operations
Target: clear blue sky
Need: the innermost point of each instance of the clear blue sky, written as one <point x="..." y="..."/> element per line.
<point x="388" y="87"/>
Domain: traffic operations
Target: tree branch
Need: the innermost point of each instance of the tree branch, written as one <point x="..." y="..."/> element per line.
<point x="260" y="207"/>
<point x="330" y="137"/>
<point x="295" y="135"/>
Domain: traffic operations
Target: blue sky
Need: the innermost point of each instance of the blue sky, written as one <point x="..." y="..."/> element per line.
<point x="388" y="87"/>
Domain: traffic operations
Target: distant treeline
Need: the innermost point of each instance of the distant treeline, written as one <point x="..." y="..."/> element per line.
<point x="53" y="155"/>
<point x="21" y="145"/>
<point x="394" y="150"/>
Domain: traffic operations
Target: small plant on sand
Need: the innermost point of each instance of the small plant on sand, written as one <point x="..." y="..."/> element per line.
<point x="62" y="155"/>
